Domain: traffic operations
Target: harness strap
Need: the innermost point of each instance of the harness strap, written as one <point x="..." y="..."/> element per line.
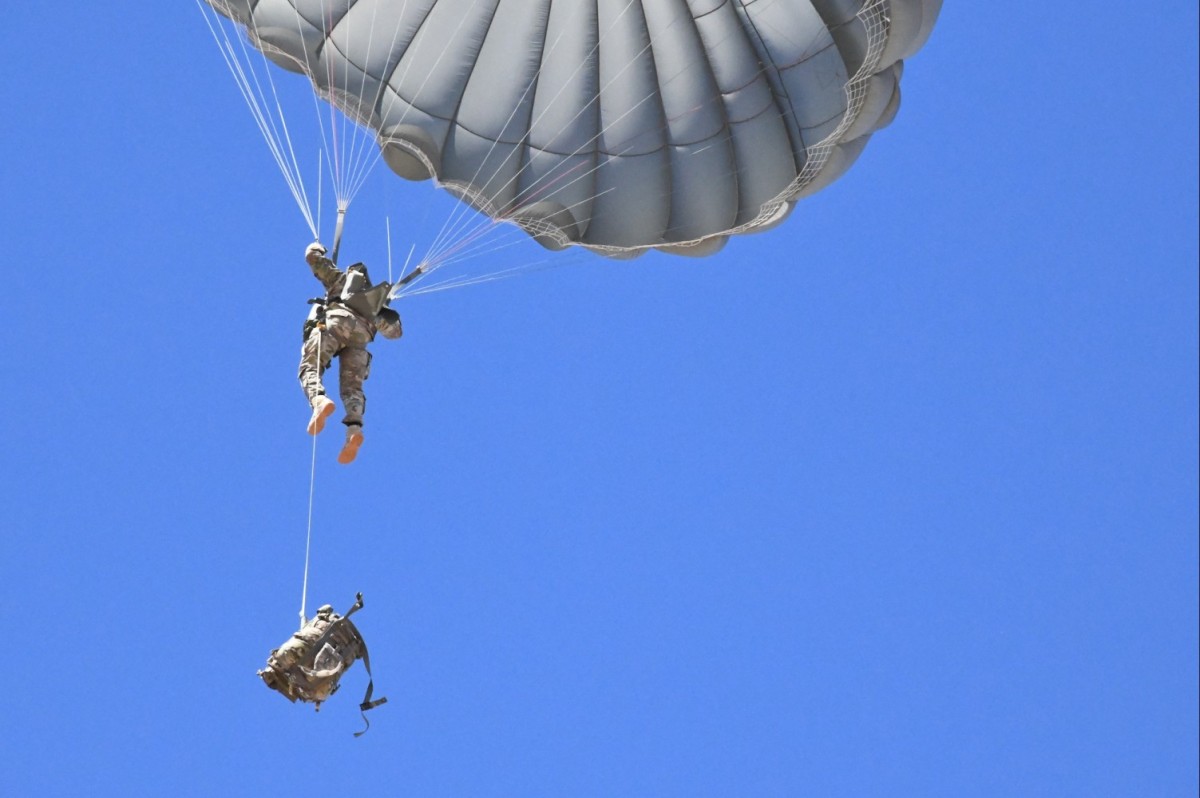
<point x="367" y="703"/>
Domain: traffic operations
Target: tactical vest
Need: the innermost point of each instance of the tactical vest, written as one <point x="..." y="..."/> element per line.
<point x="308" y="666"/>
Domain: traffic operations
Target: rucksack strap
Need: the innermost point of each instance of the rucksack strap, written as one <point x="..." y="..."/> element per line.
<point x="367" y="703"/>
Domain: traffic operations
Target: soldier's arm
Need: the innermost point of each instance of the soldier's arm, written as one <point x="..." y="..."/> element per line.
<point x="323" y="269"/>
<point x="388" y="323"/>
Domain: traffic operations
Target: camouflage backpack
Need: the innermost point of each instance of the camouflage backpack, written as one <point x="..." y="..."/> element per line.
<point x="308" y="666"/>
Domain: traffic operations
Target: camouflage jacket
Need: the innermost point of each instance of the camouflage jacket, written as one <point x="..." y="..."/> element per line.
<point x="333" y="278"/>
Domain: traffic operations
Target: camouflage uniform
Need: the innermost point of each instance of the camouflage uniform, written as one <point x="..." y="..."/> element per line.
<point x="343" y="334"/>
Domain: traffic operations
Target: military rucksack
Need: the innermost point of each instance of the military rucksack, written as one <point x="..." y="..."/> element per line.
<point x="309" y="664"/>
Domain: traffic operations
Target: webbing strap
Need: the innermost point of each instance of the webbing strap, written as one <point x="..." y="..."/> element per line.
<point x="367" y="703"/>
<point x="312" y="486"/>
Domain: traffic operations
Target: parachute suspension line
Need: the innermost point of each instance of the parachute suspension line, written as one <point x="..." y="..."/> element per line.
<point x="320" y="192"/>
<point x="874" y="16"/>
<point x="352" y="158"/>
<point x="464" y="220"/>
<point x="356" y="139"/>
<point x="383" y="112"/>
<point x="553" y="261"/>
<point x="442" y="52"/>
<point x="387" y="224"/>
<point x="358" y="163"/>
<point x="404" y="273"/>
<point x="473" y="244"/>
<point x="407" y="261"/>
<point x="279" y="134"/>
<point x="275" y="135"/>
<point x="366" y="155"/>
<point x="334" y="151"/>
<point x="448" y="245"/>
<point x="334" y="161"/>
<point x="456" y="216"/>
<point x="347" y="141"/>
<point x="459" y="238"/>
<point x="482" y="226"/>
<point x="378" y="151"/>
<point x="476" y="249"/>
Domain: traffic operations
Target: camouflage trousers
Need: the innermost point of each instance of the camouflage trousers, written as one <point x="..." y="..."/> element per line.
<point x="345" y="337"/>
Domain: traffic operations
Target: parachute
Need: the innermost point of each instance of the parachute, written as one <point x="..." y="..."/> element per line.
<point x="615" y="125"/>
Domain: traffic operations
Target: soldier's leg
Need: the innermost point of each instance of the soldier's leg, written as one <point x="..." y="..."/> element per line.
<point x="318" y="349"/>
<point x="316" y="353"/>
<point x="354" y="367"/>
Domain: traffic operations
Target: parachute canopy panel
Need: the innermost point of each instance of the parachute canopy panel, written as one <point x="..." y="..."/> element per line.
<point x="618" y="125"/>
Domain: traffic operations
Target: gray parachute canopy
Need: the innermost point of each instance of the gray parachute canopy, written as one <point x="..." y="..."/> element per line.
<point x="619" y="125"/>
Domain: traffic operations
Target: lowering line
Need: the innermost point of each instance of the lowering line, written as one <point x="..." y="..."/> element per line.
<point x="312" y="481"/>
<point x="312" y="476"/>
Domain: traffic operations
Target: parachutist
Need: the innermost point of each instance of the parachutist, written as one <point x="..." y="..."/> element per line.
<point x="308" y="666"/>
<point x="340" y="325"/>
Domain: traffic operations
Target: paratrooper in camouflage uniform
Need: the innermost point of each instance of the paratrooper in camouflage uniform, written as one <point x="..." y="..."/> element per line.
<point x="336" y="329"/>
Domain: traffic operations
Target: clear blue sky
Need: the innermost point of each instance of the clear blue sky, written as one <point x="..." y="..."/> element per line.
<point x="898" y="499"/>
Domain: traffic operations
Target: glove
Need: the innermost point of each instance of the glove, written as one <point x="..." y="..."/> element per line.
<point x="315" y="248"/>
<point x="388" y="323"/>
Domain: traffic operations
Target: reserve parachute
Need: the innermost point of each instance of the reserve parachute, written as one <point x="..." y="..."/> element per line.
<point x="615" y="125"/>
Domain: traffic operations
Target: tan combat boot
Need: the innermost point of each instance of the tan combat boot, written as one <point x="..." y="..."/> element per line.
<point x="354" y="439"/>
<point x="322" y="409"/>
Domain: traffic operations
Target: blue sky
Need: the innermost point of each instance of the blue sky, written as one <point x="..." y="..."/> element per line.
<point x="898" y="499"/>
